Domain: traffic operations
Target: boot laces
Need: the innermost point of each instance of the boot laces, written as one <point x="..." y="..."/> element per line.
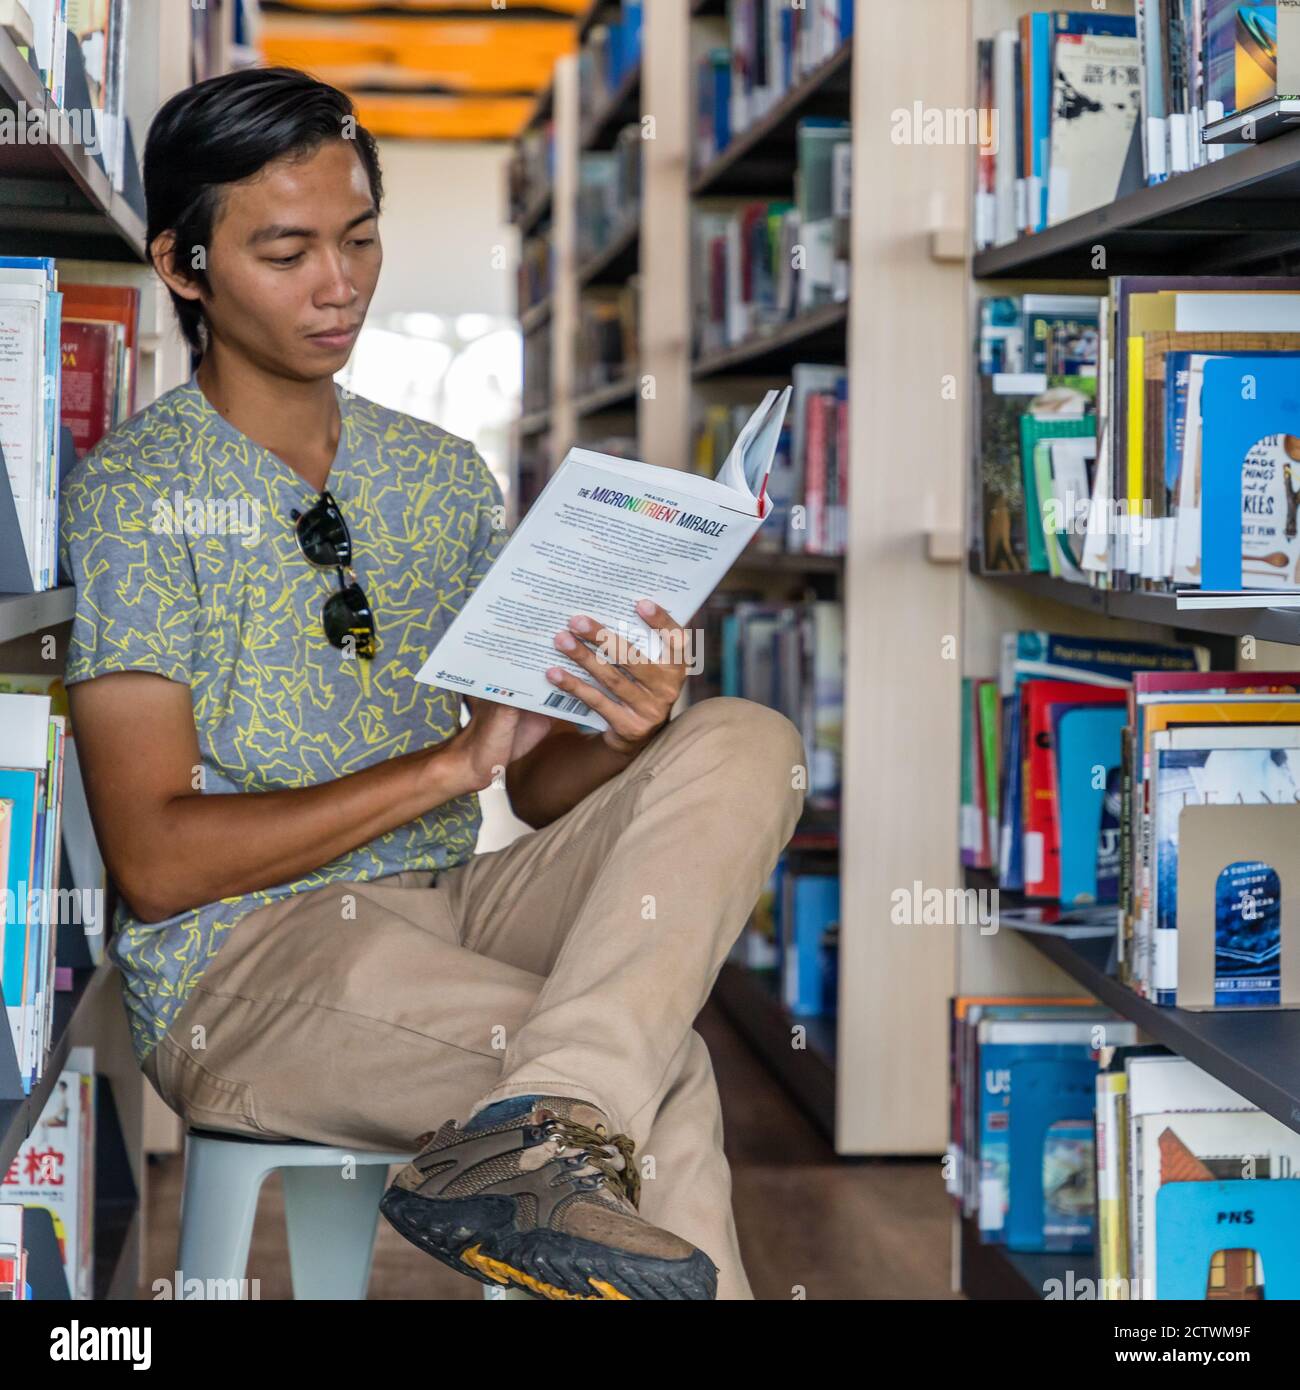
<point x="610" y="1154"/>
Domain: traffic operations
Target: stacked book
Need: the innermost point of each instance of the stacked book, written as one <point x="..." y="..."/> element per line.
<point x="609" y="192"/>
<point x="611" y="52"/>
<point x="759" y="263"/>
<point x="752" y="59"/>
<point x="608" y="335"/>
<point x="790" y="657"/>
<point x="76" y="46"/>
<point x="1022" y="1141"/>
<point x="536" y="271"/>
<point x="1195" y="1191"/>
<point x="1079" y="107"/>
<point x="1042" y="758"/>
<point x="531" y="170"/>
<point x="31" y="309"/>
<point x="1185" y="470"/>
<point x="1069" y="1136"/>
<point x="54" y="1171"/>
<point x="809" y="480"/>
<point x="1194" y="739"/>
<point x="100" y="332"/>
<point x="794" y="931"/>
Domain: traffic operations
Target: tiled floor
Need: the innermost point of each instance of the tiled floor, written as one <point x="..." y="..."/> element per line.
<point x="831" y="1227"/>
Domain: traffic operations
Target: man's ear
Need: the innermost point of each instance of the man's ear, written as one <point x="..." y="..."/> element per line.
<point x="161" y="253"/>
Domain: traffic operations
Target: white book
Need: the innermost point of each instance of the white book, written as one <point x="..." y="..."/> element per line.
<point x="1004" y="101"/>
<point x="1164" y="1084"/>
<point x="1217" y="781"/>
<point x="1234" y="1144"/>
<point x="604" y="533"/>
<point x="1237" y="313"/>
<point x="11" y="1249"/>
<point x="22" y="411"/>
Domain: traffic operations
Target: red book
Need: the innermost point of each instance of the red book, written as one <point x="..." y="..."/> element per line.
<point x="120" y="303"/>
<point x="89" y="385"/>
<point x="1042" y="842"/>
<point x="815" y="472"/>
<point x="842" y="479"/>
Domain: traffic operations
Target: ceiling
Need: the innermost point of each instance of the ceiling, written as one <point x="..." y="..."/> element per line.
<point x="426" y="69"/>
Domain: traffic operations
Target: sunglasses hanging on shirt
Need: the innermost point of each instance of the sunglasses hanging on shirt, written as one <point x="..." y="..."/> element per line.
<point x="325" y="541"/>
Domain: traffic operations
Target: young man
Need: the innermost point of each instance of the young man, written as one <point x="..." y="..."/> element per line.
<point x="308" y="944"/>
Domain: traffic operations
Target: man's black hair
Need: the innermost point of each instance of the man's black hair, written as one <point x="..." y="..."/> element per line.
<point x="227" y="129"/>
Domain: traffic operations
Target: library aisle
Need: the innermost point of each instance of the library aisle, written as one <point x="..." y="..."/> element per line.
<point x="649" y="650"/>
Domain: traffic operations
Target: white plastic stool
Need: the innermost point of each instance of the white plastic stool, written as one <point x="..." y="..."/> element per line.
<point x="331" y="1219"/>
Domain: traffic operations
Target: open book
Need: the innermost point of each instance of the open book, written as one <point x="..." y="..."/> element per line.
<point x="604" y="533"/>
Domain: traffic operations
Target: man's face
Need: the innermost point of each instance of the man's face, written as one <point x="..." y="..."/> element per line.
<point x="293" y="262"/>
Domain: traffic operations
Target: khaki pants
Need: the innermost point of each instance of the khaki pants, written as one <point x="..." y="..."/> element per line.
<point x="572" y="962"/>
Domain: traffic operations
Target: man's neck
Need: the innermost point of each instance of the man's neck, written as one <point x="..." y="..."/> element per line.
<point x="297" y="421"/>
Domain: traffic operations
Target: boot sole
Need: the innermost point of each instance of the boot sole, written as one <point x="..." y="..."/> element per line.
<point x="477" y="1236"/>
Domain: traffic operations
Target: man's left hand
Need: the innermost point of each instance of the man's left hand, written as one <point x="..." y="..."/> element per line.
<point x="634" y="694"/>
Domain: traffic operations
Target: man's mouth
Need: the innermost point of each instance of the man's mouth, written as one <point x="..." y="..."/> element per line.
<point x="335" y="337"/>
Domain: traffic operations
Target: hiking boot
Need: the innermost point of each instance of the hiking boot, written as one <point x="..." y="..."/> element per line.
<point x="535" y="1193"/>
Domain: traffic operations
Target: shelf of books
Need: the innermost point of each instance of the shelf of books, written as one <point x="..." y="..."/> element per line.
<point x="89" y="342"/>
<point x="1125" y="1031"/>
<point x="666" y="330"/>
<point x="768" y="174"/>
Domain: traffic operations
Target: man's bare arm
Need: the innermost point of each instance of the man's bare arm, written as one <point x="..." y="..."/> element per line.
<point x="564" y="767"/>
<point x="170" y="848"/>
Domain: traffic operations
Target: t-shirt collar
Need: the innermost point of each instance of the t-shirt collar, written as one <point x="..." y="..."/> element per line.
<point x="228" y="431"/>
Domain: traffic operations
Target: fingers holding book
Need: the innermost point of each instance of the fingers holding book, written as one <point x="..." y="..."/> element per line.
<point x="636" y="689"/>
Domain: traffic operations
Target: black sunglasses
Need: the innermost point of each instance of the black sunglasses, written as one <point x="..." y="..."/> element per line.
<point x="325" y="541"/>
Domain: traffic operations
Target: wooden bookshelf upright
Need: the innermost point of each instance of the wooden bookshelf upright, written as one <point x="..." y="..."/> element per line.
<point x="875" y="1078"/>
<point x="57" y="200"/>
<point x="1237" y="215"/>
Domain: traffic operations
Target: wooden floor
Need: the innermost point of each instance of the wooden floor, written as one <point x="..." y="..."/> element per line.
<point x="837" y="1228"/>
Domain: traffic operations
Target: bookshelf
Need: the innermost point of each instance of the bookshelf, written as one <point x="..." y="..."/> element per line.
<point x="875" y="1077"/>
<point x="57" y="200"/>
<point x="1228" y="217"/>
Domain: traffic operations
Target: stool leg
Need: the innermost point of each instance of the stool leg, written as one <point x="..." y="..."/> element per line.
<point x="221" y="1186"/>
<point x="332" y="1222"/>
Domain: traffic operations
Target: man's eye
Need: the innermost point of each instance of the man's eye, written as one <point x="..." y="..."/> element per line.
<point x="363" y="241"/>
<point x="285" y="260"/>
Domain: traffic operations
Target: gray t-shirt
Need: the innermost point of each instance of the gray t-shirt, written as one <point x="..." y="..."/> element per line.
<point x="176" y="530"/>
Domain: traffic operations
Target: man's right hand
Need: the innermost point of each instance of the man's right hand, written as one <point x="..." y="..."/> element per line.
<point x="496" y="736"/>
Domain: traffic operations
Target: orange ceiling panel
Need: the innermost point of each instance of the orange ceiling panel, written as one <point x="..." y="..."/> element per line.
<point x="455" y="55"/>
<point x="427" y="69"/>
<point x="443" y="118"/>
<point x="570" y="8"/>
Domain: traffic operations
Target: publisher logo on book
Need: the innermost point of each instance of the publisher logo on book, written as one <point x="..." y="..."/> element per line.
<point x="455" y="679"/>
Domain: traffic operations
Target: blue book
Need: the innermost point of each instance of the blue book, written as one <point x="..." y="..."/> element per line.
<point x="1123" y="26"/>
<point x="1053" y="1194"/>
<point x="1040" y="97"/>
<point x="1030" y="655"/>
<point x="815" y="906"/>
<point x="1088" y="738"/>
<point x="1177" y="376"/>
<point x="997" y="1062"/>
<point x="1249" y="407"/>
<point x="1230" y="1240"/>
<point x="23" y="787"/>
